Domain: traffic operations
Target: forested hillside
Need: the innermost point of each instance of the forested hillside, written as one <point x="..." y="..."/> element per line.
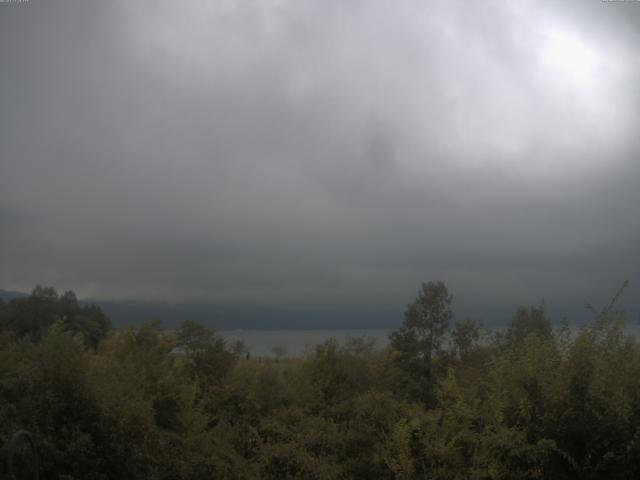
<point x="446" y="400"/>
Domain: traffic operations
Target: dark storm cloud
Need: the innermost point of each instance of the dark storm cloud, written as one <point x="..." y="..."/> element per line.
<point x="321" y="154"/>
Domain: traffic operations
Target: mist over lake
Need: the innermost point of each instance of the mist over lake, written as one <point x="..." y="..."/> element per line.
<point x="261" y="343"/>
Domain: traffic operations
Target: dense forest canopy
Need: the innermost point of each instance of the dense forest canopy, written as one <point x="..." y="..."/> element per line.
<point x="34" y="315"/>
<point x="447" y="399"/>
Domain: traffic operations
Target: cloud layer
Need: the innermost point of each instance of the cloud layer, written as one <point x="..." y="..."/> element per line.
<point x="320" y="154"/>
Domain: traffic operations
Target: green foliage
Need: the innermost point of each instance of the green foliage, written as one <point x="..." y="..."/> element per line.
<point x="465" y="338"/>
<point x="420" y="337"/>
<point x="32" y="317"/>
<point x="527" y="321"/>
<point x="206" y="359"/>
<point x="534" y="403"/>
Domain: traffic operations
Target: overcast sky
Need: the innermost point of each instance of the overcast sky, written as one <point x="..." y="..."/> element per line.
<point x="321" y="154"/>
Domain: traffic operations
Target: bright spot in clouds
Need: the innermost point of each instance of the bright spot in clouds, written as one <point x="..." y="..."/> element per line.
<point x="569" y="56"/>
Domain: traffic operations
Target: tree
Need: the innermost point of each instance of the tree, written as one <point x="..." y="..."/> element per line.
<point x="426" y="322"/>
<point x="279" y="351"/>
<point x="33" y="316"/>
<point x="206" y="356"/>
<point x="528" y="321"/>
<point x="239" y="348"/>
<point x="193" y="336"/>
<point x="465" y="336"/>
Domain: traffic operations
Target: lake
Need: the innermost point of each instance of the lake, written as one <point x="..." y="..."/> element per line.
<point x="260" y="342"/>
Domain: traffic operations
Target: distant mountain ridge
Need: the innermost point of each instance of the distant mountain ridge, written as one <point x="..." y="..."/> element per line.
<point x="245" y="317"/>
<point x="232" y="317"/>
<point x="250" y="317"/>
<point x="7" y="295"/>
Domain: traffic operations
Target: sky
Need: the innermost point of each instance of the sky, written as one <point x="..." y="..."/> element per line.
<point x="321" y="154"/>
